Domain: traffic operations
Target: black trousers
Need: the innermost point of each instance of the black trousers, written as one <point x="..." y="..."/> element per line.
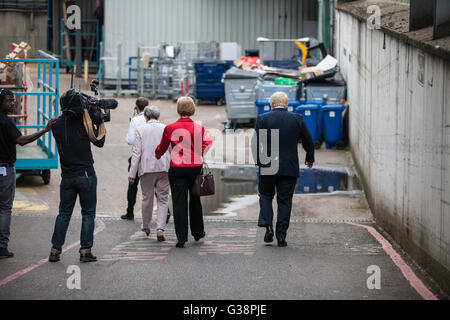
<point x="181" y="181"/>
<point x="285" y="187"/>
<point x="132" y="192"/>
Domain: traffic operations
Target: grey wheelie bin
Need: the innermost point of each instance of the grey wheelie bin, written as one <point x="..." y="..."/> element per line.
<point x="240" y="94"/>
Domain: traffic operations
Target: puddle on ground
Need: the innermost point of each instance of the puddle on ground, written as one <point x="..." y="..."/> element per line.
<point x="242" y="181"/>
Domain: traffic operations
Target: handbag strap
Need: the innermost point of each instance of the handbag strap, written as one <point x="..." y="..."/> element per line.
<point x="205" y="165"/>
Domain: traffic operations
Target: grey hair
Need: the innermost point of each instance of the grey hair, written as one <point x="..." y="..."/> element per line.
<point x="152" y="112"/>
<point x="279" y="99"/>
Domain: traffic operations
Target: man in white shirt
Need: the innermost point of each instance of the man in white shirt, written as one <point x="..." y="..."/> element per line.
<point x="136" y="122"/>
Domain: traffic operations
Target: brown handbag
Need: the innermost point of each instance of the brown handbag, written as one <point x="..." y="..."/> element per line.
<point x="204" y="183"/>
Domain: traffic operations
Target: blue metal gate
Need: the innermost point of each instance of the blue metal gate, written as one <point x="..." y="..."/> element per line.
<point x="39" y="158"/>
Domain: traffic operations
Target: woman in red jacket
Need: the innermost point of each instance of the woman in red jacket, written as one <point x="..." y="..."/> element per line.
<point x="188" y="142"/>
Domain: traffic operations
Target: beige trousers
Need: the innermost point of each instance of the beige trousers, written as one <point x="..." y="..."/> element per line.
<point x="151" y="183"/>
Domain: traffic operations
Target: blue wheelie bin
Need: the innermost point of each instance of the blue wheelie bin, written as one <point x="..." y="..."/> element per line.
<point x="208" y="80"/>
<point x="332" y="125"/>
<point x="332" y="181"/>
<point x="264" y="106"/>
<point x="306" y="183"/>
<point x="310" y="114"/>
<point x="319" y="103"/>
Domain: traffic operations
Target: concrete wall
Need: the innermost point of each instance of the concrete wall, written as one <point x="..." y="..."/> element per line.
<point x="16" y="27"/>
<point x="400" y="138"/>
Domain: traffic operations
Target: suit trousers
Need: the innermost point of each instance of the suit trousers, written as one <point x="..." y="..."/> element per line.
<point x="132" y="192"/>
<point x="181" y="182"/>
<point x="284" y="187"/>
<point x="151" y="183"/>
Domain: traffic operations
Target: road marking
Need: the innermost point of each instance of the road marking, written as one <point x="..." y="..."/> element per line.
<point x="242" y="241"/>
<point x="406" y="270"/>
<point x="139" y="247"/>
<point x="20" y="273"/>
<point x="29" y="206"/>
<point x="28" y="190"/>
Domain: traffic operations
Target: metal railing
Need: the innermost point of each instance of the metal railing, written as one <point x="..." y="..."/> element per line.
<point x="67" y="61"/>
<point x="47" y="97"/>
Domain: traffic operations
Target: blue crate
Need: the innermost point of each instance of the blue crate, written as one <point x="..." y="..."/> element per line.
<point x="252" y="53"/>
<point x="284" y="64"/>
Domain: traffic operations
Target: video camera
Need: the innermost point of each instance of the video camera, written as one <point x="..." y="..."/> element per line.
<point x="75" y="103"/>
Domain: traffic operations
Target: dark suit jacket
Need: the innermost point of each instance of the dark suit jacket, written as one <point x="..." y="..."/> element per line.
<point x="292" y="130"/>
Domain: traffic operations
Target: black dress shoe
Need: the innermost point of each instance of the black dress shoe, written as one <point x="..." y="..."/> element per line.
<point x="180" y="245"/>
<point x="282" y="243"/>
<point x="127" y="216"/>
<point x="4" y="253"/>
<point x="198" y="238"/>
<point x="268" y="237"/>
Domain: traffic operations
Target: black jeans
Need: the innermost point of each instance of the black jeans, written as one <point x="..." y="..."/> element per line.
<point x="181" y="181"/>
<point x="86" y="188"/>
<point x="285" y="187"/>
<point x="7" y="192"/>
<point x="132" y="192"/>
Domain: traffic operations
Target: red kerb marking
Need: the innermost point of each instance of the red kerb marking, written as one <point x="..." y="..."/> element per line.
<point x="407" y="272"/>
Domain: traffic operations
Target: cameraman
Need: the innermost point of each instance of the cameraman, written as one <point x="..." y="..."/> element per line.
<point x="78" y="178"/>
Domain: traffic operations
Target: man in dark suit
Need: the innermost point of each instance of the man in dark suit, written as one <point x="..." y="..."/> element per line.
<point x="277" y="136"/>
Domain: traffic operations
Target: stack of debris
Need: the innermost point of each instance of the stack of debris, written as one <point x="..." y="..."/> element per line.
<point x="23" y="47"/>
<point x="326" y="68"/>
<point x="13" y="76"/>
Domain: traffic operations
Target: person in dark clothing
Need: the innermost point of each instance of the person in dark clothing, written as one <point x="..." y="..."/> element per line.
<point x="277" y="136"/>
<point x="135" y="123"/>
<point x="78" y="179"/>
<point x="9" y="137"/>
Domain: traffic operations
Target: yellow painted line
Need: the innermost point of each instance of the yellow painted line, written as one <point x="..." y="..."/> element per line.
<point x="28" y="190"/>
<point x="29" y="206"/>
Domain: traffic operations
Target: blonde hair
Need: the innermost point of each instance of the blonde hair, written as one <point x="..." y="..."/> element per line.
<point x="279" y="99"/>
<point x="185" y="106"/>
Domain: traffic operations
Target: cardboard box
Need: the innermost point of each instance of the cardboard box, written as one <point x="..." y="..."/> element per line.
<point x="309" y="72"/>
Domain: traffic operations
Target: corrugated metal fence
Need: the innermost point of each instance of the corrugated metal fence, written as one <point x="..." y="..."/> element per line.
<point x="151" y="22"/>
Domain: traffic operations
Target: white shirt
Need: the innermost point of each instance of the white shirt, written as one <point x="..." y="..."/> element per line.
<point x="135" y="123"/>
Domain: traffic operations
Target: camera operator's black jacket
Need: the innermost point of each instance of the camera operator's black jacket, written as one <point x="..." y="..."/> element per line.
<point x="74" y="146"/>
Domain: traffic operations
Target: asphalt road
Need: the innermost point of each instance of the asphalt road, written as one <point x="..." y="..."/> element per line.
<point x="322" y="261"/>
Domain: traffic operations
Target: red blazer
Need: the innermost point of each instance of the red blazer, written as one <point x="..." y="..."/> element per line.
<point x="188" y="142"/>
